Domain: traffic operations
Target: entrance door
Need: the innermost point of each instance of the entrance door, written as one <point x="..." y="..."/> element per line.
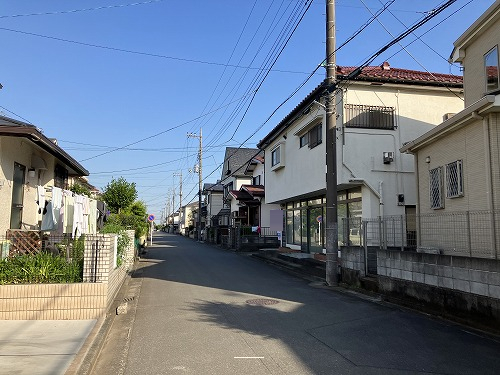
<point x="316" y="230"/>
<point x="16" y="212"/>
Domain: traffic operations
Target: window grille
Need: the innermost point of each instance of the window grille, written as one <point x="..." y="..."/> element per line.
<point x="454" y="179"/>
<point x="435" y="187"/>
<point x="369" y="116"/>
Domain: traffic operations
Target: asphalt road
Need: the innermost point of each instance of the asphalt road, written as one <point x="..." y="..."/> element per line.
<point x="198" y="309"/>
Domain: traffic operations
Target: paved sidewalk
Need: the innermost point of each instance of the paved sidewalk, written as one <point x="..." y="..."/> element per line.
<point x="41" y="347"/>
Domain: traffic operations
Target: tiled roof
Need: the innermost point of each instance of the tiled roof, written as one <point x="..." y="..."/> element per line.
<point x="254" y="190"/>
<point x="388" y="74"/>
<point x="240" y="195"/>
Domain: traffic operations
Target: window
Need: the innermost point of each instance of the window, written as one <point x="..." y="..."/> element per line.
<point x="304" y="140"/>
<point x="275" y="156"/>
<point x="491" y="69"/>
<point x="256" y="180"/>
<point x="228" y="188"/>
<point x="312" y="138"/>
<point x="369" y="116"/>
<point x="435" y="187"/>
<point x="454" y="179"/>
<point x="60" y="177"/>
<point x="315" y="136"/>
<point x="18" y="181"/>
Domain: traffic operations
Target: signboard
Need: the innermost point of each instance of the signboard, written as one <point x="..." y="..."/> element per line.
<point x="151" y="218"/>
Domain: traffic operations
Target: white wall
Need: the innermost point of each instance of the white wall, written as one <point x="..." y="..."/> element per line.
<point x="360" y="151"/>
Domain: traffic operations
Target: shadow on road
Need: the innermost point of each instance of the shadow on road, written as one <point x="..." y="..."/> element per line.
<point x="326" y="330"/>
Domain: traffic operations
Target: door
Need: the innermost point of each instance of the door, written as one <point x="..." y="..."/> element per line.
<point x="16" y="212"/>
<point x="316" y="230"/>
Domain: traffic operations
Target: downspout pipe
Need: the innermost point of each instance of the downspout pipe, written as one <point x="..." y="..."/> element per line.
<point x="489" y="181"/>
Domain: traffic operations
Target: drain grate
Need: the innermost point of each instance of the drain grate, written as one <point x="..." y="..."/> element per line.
<point x="262" y="301"/>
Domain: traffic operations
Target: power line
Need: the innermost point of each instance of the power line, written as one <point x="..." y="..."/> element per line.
<point x="140" y="52"/>
<point x="81" y="10"/>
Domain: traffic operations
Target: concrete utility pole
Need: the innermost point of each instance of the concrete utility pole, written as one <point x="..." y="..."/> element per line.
<point x="180" y="188"/>
<point x="200" y="175"/>
<point x="332" y="234"/>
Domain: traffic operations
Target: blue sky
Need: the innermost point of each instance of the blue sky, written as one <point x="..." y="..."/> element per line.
<point x="121" y="83"/>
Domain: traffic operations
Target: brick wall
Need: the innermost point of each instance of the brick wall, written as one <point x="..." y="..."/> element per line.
<point x="87" y="300"/>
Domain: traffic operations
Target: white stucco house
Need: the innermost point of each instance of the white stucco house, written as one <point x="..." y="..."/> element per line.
<point x="29" y="159"/>
<point x="377" y="112"/>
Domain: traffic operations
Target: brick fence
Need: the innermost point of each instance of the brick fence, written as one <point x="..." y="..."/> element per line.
<point x="87" y="300"/>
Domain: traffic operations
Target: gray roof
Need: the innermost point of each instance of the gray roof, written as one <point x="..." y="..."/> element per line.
<point x="213" y="187"/>
<point x="236" y="159"/>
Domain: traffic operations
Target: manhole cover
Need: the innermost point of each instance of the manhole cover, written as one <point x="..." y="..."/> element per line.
<point x="262" y="301"/>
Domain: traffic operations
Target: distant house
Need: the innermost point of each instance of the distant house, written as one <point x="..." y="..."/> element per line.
<point x="248" y="206"/>
<point x="233" y="177"/>
<point x="30" y="159"/>
<point x="458" y="162"/>
<point x="213" y="202"/>
<point x="378" y="112"/>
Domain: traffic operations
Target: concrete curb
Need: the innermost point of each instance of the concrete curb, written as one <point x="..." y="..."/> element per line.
<point x="87" y="355"/>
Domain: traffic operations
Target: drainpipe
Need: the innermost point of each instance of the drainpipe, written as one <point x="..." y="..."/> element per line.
<point x="489" y="180"/>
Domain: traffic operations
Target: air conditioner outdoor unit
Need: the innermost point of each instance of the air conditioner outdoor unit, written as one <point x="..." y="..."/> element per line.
<point x="388" y="157"/>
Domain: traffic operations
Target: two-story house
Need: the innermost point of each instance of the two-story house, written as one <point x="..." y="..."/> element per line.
<point x="233" y="177"/>
<point x="458" y="162"/>
<point x="249" y="199"/>
<point x="30" y="164"/>
<point x="377" y="112"/>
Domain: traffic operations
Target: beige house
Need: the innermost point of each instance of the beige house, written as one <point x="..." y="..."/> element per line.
<point x="29" y="159"/>
<point x="458" y="162"/>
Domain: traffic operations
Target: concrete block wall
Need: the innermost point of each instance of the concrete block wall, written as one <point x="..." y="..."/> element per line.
<point x="469" y="275"/>
<point x="457" y="287"/>
<point x="353" y="258"/>
<point x="352" y="261"/>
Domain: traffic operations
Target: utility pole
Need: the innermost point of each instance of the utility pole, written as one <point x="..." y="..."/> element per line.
<point x="180" y="188"/>
<point x="200" y="175"/>
<point x="332" y="233"/>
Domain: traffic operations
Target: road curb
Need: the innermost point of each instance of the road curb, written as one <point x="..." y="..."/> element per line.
<point x="87" y="355"/>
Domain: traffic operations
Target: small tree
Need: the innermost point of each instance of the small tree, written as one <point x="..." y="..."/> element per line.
<point x="79" y="189"/>
<point x="119" y="194"/>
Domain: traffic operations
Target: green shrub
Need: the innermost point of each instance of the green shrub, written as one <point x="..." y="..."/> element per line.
<point x="123" y="239"/>
<point x="39" y="269"/>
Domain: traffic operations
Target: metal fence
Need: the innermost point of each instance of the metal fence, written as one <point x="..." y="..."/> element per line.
<point x="22" y="242"/>
<point x="468" y="234"/>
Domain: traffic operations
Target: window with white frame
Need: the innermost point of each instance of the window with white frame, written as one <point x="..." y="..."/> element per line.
<point x="436" y="188"/>
<point x="256" y="180"/>
<point x="491" y="69"/>
<point x="454" y="179"/>
<point x="275" y="156"/>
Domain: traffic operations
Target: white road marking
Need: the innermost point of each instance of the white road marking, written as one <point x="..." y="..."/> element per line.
<point x="248" y="357"/>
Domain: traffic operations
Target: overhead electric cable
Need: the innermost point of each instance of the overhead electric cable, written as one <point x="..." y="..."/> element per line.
<point x="82" y="10"/>
<point x="139" y="52"/>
